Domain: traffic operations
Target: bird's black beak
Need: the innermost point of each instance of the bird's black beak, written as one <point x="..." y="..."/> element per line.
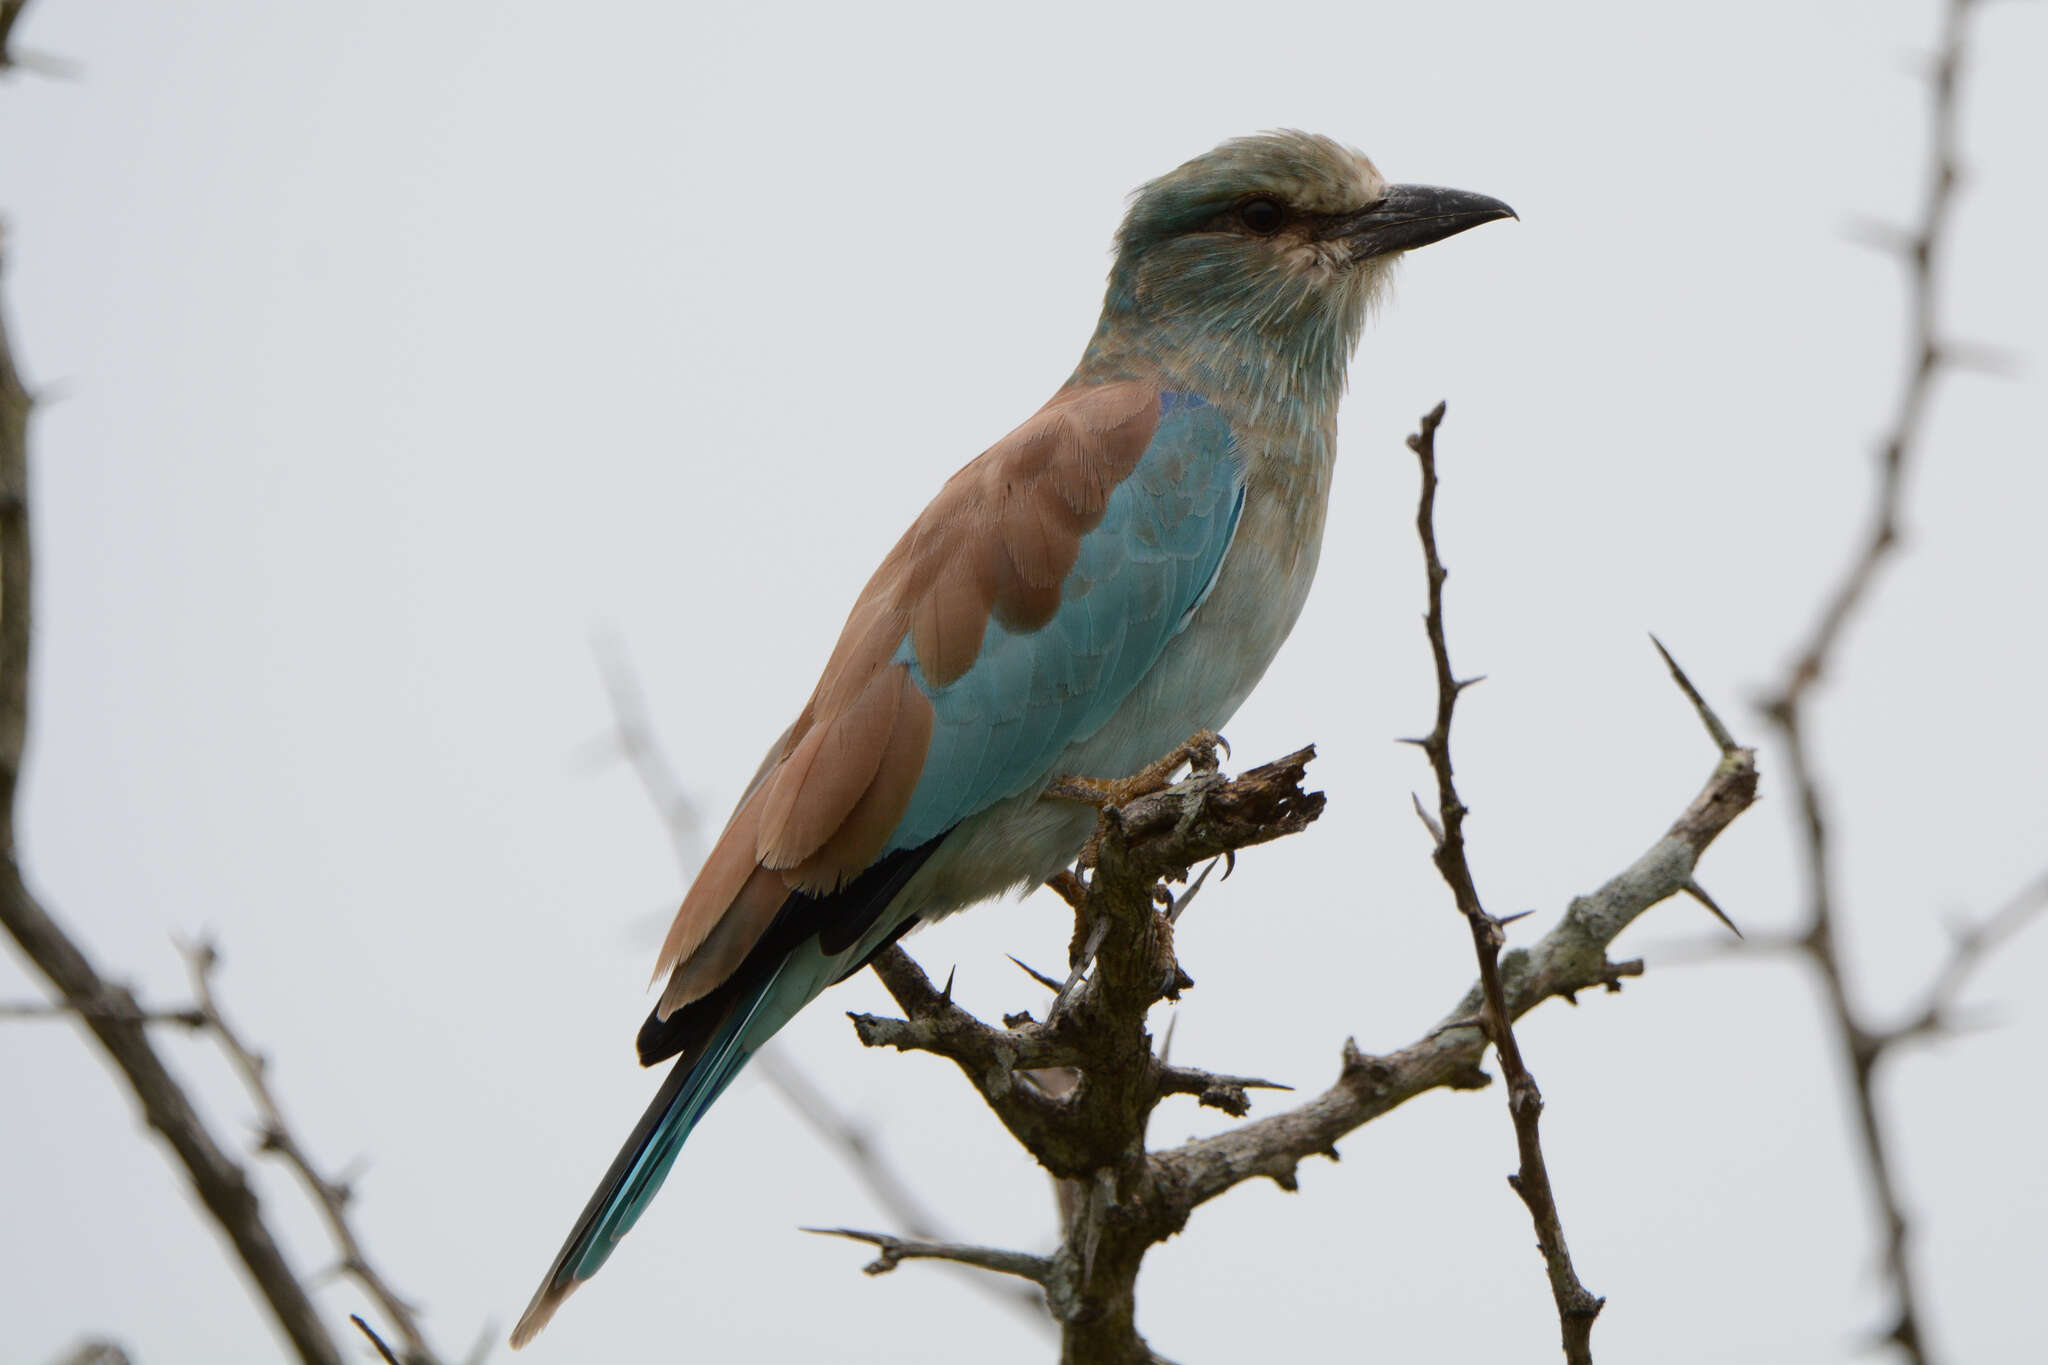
<point x="1413" y="215"/>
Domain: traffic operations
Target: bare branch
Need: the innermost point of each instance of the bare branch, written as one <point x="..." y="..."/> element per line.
<point x="1975" y="943"/>
<point x="94" y="1352"/>
<point x="896" y="1250"/>
<point x="1077" y="1091"/>
<point x="10" y="14"/>
<point x="633" y="736"/>
<point x="124" y="1008"/>
<point x="1571" y="958"/>
<point x="1577" y="1307"/>
<point x="857" y="1146"/>
<point x="109" y="1011"/>
<point x="1922" y="252"/>
<point x="330" y="1196"/>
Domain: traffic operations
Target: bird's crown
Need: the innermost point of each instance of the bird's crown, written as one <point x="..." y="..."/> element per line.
<point x="1305" y="176"/>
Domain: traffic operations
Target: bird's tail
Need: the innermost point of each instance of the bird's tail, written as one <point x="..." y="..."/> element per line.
<point x="697" y="1080"/>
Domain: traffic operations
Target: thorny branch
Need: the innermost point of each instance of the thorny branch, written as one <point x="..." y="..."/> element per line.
<point x="1577" y="1307"/>
<point x="1863" y="1044"/>
<point x="332" y="1195"/>
<point x="1091" y="1135"/>
<point x="106" y="1009"/>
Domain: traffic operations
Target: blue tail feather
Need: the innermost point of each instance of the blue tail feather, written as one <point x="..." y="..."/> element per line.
<point x="636" y="1174"/>
<point x="813" y="942"/>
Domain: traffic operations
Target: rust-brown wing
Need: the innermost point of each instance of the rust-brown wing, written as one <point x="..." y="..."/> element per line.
<point x="997" y="543"/>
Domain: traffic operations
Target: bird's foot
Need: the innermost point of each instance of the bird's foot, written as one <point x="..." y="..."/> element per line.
<point x="1068" y="886"/>
<point x="1196" y="753"/>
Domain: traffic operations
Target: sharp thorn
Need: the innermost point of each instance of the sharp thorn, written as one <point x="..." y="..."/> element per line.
<point x="946" y="995"/>
<point x="1699" y="893"/>
<point x="1180" y="905"/>
<point x="1436" y="831"/>
<point x="1715" y="728"/>
<point x="1041" y="978"/>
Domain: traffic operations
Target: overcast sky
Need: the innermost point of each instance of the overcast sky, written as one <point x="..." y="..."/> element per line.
<point x="391" y="350"/>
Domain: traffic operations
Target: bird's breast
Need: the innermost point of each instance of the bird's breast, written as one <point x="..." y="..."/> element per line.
<point x="1212" y="665"/>
<point x="1198" y="682"/>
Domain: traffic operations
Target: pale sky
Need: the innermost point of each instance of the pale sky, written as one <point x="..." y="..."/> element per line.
<point x="391" y="350"/>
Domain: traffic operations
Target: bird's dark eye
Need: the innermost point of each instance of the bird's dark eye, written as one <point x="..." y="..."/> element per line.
<point x="1261" y="216"/>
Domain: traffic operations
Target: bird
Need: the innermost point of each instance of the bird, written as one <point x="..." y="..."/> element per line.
<point x="1110" y="577"/>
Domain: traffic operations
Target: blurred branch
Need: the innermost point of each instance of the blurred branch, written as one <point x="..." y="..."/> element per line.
<point x="107" y="1010"/>
<point x="10" y="14"/>
<point x="331" y="1196"/>
<point x="13" y="58"/>
<point x="382" y="1347"/>
<point x="1929" y="353"/>
<point x="127" y="1010"/>
<point x="633" y="740"/>
<point x="1577" y="1307"/>
<point x="1971" y="946"/>
<point x="94" y="1352"/>
<point x="855" y="1144"/>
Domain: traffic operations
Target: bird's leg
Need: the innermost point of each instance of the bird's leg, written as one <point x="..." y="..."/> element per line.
<point x="1068" y="886"/>
<point x="1197" y="753"/>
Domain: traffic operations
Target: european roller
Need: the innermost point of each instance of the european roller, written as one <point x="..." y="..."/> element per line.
<point x="1107" y="579"/>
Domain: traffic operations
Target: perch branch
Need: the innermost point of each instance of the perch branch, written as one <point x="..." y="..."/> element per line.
<point x="1089" y="1133"/>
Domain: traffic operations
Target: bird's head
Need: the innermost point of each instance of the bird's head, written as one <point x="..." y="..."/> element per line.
<point x="1278" y="241"/>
